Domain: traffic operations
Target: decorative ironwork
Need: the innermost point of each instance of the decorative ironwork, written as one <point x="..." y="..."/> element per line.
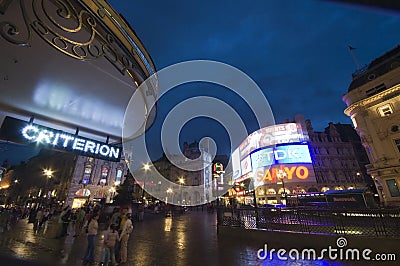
<point x="4" y="5"/>
<point x="68" y="27"/>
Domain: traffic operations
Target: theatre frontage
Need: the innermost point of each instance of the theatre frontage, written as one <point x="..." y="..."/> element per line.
<point x="68" y="71"/>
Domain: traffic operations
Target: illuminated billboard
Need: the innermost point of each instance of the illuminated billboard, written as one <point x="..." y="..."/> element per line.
<point x="295" y="173"/>
<point x="270" y="136"/>
<point x="19" y="131"/>
<point x="245" y="165"/>
<point x="291" y="153"/>
<point x="236" y="168"/>
<point x="264" y="151"/>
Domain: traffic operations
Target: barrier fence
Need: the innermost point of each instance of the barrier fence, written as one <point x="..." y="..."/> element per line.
<point x="368" y="222"/>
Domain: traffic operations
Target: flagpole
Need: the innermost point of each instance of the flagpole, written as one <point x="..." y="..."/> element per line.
<point x="354" y="57"/>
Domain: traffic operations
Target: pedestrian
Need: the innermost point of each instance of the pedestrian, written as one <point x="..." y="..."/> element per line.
<point x="4" y="220"/>
<point x="115" y="218"/>
<point x="46" y="216"/>
<point x="141" y="211"/>
<point x="122" y="219"/>
<point x="80" y="217"/>
<point x="92" y="230"/>
<point x="39" y="219"/>
<point x="110" y="241"/>
<point x="124" y="237"/>
<point x="65" y="219"/>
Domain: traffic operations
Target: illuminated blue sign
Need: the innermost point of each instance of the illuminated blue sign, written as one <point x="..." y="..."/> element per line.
<point x="280" y="155"/>
<point x="262" y="158"/>
<point x="292" y="154"/>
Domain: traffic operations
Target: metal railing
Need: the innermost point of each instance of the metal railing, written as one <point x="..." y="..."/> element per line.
<point x="366" y="222"/>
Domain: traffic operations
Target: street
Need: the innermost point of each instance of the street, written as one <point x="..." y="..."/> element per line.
<point x="187" y="239"/>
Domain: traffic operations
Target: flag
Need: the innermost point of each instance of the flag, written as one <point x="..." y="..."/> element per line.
<point x="351" y="48"/>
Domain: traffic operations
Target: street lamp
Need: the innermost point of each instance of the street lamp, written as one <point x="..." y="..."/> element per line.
<point x="356" y="179"/>
<point x="49" y="174"/>
<point x="181" y="181"/>
<point x="281" y="174"/>
<point x="169" y="191"/>
<point x="145" y="167"/>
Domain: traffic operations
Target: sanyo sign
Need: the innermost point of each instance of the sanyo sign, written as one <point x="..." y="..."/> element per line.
<point x="65" y="141"/>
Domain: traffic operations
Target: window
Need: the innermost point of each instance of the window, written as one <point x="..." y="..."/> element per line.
<point x="119" y="176"/>
<point x="393" y="188"/>
<point x="385" y="110"/>
<point x="104" y="174"/>
<point x="353" y="119"/>
<point x="375" y="90"/>
<point x="397" y="142"/>
<point x="86" y="174"/>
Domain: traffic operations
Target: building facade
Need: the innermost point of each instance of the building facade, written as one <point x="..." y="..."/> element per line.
<point x="198" y="182"/>
<point x="95" y="180"/>
<point x="373" y="100"/>
<point x="338" y="161"/>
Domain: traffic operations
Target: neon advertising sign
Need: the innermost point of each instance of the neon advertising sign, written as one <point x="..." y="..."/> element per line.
<point x="26" y="133"/>
<point x="280" y="155"/>
<point x="270" y="136"/>
<point x="294" y="173"/>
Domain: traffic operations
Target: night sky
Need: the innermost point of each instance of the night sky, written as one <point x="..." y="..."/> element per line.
<point x="296" y="51"/>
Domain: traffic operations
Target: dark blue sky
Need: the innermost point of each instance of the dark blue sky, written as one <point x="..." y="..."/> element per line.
<point x="296" y="51"/>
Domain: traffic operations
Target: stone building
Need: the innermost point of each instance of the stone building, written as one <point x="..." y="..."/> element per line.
<point x="338" y="161"/>
<point x="199" y="180"/>
<point x="95" y="180"/>
<point x="373" y="100"/>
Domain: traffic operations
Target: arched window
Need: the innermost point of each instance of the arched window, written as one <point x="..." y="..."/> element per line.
<point x="104" y="175"/>
<point x="118" y="177"/>
<point x="87" y="174"/>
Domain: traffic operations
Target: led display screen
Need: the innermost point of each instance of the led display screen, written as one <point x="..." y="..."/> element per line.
<point x="246" y="165"/>
<point x="236" y="165"/>
<point x="292" y="153"/>
<point x="270" y="136"/>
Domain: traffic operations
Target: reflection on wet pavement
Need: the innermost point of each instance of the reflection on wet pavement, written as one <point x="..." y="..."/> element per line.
<point x="188" y="239"/>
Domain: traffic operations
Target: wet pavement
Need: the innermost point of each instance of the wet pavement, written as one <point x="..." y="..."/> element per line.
<point x="183" y="240"/>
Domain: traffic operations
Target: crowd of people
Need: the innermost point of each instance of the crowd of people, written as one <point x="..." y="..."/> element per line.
<point x="90" y="221"/>
<point x="85" y="220"/>
<point x="117" y="226"/>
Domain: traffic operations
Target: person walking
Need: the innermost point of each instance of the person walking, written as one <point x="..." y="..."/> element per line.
<point x="92" y="230"/>
<point x="39" y="219"/>
<point x="110" y="240"/>
<point x="126" y="231"/>
<point x="80" y="217"/>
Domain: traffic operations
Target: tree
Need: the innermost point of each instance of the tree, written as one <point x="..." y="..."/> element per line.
<point x="125" y="191"/>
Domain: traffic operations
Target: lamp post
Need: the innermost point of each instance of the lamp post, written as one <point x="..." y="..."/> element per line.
<point x="49" y="174"/>
<point x="355" y="179"/>
<point x="281" y="174"/>
<point x="145" y="167"/>
<point x="16" y="190"/>
<point x="169" y="191"/>
<point x="181" y="181"/>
